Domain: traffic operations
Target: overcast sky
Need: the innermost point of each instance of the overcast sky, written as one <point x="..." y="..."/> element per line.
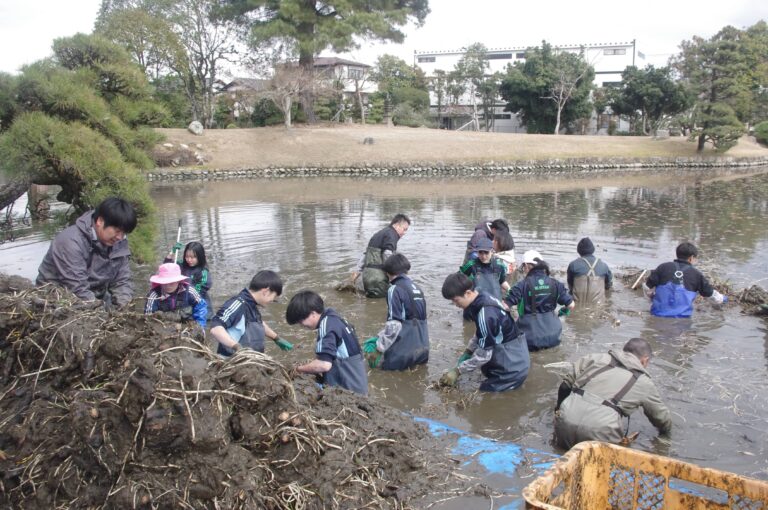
<point x="28" y="27"/>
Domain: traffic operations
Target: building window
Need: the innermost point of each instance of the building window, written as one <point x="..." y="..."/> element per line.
<point x="615" y="51"/>
<point x="421" y="60"/>
<point x="520" y="54"/>
<point x="355" y="74"/>
<point x="499" y="56"/>
<point x="613" y="84"/>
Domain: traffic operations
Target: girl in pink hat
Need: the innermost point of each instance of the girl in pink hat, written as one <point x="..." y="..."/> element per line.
<point x="171" y="292"/>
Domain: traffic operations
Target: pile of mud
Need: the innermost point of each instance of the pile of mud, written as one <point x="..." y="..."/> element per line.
<point x="126" y="411"/>
<point x="754" y="300"/>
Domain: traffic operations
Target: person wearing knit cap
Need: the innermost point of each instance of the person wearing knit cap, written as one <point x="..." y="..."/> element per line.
<point x="588" y="276"/>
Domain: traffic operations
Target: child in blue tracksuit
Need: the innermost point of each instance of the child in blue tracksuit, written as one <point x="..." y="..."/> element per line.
<point x="403" y="342"/>
<point x="338" y="357"/>
<point x="673" y="286"/>
<point x="172" y="293"/>
<point x="238" y="323"/>
<point x="498" y="348"/>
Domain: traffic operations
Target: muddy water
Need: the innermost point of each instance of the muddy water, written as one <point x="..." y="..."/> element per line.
<point x="711" y="370"/>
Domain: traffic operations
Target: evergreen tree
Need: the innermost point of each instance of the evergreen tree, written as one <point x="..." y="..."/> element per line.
<point x="717" y="71"/>
<point x="549" y="89"/>
<point x="307" y="27"/>
<point x="80" y="123"/>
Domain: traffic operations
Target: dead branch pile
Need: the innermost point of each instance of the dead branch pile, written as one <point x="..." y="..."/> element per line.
<point x="126" y="411"/>
<point x="753" y="299"/>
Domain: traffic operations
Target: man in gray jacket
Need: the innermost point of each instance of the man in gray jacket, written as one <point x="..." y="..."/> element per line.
<point x="91" y="257"/>
<point x="600" y="390"/>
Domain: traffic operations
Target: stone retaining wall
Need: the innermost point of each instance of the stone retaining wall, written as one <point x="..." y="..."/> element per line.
<point x="545" y="167"/>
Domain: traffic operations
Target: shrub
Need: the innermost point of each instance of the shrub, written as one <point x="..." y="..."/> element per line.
<point x="761" y="132"/>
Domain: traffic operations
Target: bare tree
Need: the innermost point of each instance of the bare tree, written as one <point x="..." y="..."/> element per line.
<point x="290" y="83"/>
<point x="359" y="79"/>
<point x="570" y="72"/>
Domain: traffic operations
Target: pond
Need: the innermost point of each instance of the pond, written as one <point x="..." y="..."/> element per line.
<point x="711" y="370"/>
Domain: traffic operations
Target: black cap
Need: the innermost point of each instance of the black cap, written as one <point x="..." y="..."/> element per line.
<point x="585" y="247"/>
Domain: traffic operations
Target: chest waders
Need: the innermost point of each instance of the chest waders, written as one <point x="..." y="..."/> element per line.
<point x="542" y="329"/>
<point x="349" y="372"/>
<point x="249" y="335"/>
<point x="171" y="305"/>
<point x="375" y="281"/>
<point x="672" y="299"/>
<point x="411" y="347"/>
<point x="605" y="415"/>
<point x="589" y="289"/>
<point x="486" y="280"/>
<point x="508" y="366"/>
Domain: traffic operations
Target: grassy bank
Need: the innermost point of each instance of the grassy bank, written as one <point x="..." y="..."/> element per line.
<point x="343" y="145"/>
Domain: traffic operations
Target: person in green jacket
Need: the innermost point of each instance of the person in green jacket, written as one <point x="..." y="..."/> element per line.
<point x="600" y="390"/>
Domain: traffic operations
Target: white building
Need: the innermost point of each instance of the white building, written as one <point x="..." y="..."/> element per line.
<point x="608" y="59"/>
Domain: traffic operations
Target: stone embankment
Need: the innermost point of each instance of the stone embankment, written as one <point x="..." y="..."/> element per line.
<point x="565" y="168"/>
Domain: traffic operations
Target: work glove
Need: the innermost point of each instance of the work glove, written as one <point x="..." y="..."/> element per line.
<point x="178" y="247"/>
<point x="564" y="311"/>
<point x="370" y="344"/>
<point x="450" y="377"/>
<point x="373" y="358"/>
<point x="284" y="344"/>
<point x="235" y="348"/>
<point x="464" y="357"/>
<point x="725" y="299"/>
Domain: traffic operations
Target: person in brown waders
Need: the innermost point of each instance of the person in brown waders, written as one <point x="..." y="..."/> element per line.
<point x="600" y="390"/>
<point x="588" y="276"/>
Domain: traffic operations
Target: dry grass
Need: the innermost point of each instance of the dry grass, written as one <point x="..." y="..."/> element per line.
<point x="343" y="145"/>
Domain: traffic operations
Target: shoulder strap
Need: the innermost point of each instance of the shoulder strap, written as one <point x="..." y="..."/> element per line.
<point x="591" y="267"/>
<point x="599" y="371"/>
<point x="614" y="401"/>
<point x="681" y="271"/>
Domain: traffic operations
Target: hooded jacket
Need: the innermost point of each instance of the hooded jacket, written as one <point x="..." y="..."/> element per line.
<point x="584" y="417"/>
<point x="482" y="231"/>
<point x="78" y="261"/>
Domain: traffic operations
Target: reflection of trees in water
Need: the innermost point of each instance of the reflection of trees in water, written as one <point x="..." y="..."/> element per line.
<point x="536" y="214"/>
<point x="642" y="213"/>
<point x="723" y="216"/>
<point x="730" y="216"/>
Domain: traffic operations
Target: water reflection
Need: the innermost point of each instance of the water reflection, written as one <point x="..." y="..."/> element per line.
<point x="711" y="369"/>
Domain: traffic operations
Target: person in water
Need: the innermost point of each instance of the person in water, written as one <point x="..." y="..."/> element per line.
<point x="673" y="286"/>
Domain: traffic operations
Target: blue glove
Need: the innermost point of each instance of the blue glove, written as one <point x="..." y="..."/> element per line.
<point x="725" y="299"/>
<point x="370" y="344"/>
<point x="284" y="344"/>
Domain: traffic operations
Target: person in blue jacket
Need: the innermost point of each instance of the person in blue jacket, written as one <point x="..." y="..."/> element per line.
<point x="238" y="323"/>
<point x="673" y="286"/>
<point x="403" y="342"/>
<point x="487" y="272"/>
<point x="338" y="357"/>
<point x="171" y="292"/>
<point x="536" y="298"/>
<point x="497" y="348"/>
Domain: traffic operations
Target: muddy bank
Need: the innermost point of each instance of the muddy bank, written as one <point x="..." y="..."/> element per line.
<point x="567" y="168"/>
<point x="126" y="411"/>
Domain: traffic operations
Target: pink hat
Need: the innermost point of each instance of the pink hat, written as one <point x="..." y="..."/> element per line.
<point x="167" y="273"/>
